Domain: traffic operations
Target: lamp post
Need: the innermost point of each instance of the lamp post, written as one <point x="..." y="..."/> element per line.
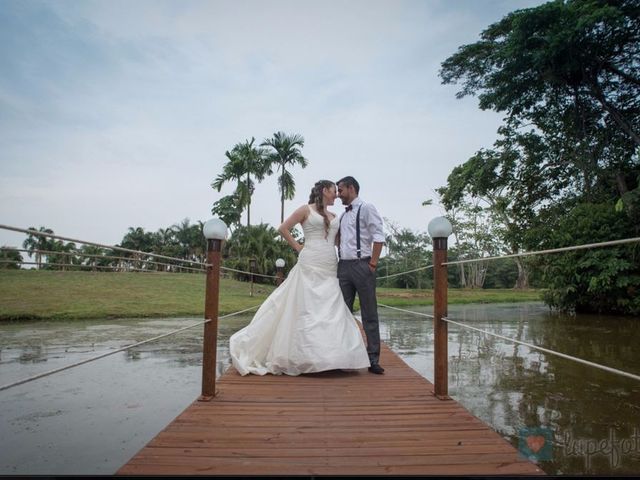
<point x="215" y="231"/>
<point x="279" y="271"/>
<point x="439" y="230"/>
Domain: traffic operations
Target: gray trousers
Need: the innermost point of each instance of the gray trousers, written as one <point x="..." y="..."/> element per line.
<point x="356" y="276"/>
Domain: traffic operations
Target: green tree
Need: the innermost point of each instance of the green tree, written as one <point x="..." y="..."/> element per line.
<point x="59" y="261"/>
<point x="11" y="258"/>
<point x="406" y="250"/>
<point x="166" y="242"/>
<point x="228" y="210"/>
<point x="260" y="242"/>
<point x="510" y="183"/>
<point x="91" y="257"/>
<point x="556" y="54"/>
<point x="474" y="238"/>
<point x="285" y="155"/>
<point x="244" y="162"/>
<point x="37" y="243"/>
<point x="595" y="280"/>
<point x="567" y="78"/>
<point x="137" y="239"/>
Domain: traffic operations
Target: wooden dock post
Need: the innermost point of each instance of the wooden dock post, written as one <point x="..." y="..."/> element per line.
<point x="439" y="230"/>
<point x="215" y="232"/>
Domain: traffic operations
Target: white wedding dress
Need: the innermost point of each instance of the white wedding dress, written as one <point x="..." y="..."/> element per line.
<point x="304" y="326"/>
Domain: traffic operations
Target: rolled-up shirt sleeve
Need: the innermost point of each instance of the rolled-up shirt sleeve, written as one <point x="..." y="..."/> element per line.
<point x="375" y="224"/>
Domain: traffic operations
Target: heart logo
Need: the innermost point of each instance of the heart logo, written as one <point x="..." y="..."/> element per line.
<point x="535" y="442"/>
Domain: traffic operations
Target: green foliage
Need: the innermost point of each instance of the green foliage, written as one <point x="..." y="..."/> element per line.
<point x="285" y="154"/>
<point x="37" y="242"/>
<point x="11" y="256"/>
<point x="566" y="75"/>
<point x="244" y="161"/>
<point x="554" y="54"/>
<point x="228" y="209"/>
<point x="594" y="280"/>
<point x="261" y="242"/>
<point x="406" y="250"/>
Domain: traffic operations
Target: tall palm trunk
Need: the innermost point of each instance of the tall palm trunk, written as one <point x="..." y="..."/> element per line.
<point x="249" y="203"/>
<point x="282" y="195"/>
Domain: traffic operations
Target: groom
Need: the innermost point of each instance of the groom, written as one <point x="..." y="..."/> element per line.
<point x="361" y="240"/>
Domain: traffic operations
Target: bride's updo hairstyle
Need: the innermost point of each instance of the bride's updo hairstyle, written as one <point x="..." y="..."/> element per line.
<point x="318" y="200"/>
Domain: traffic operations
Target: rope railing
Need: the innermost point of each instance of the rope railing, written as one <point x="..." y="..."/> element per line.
<point x="93" y="255"/>
<point x="405" y="273"/>
<point x="98" y="267"/>
<point x="406" y="311"/>
<point x="116" y="248"/>
<point x="546" y="350"/>
<point x="534" y="347"/>
<point x="552" y="250"/>
<point x="122" y="349"/>
<point x="228" y="269"/>
<point x="121" y="249"/>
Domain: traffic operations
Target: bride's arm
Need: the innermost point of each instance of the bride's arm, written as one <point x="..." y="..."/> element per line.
<point x="296" y="217"/>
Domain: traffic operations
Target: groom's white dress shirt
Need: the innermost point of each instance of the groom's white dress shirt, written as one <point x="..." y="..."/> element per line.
<point x="370" y="230"/>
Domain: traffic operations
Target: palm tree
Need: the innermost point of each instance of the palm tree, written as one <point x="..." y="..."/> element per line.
<point x="286" y="153"/>
<point x="91" y="257"/>
<point x="261" y="242"/>
<point x="245" y="160"/>
<point x="34" y="243"/>
<point x="61" y="259"/>
<point x="137" y="239"/>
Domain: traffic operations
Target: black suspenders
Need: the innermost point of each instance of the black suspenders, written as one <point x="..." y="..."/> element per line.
<point x="358" y="232"/>
<point x="358" y="249"/>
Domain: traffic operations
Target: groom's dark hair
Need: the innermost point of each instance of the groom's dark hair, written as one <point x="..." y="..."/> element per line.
<point x="347" y="181"/>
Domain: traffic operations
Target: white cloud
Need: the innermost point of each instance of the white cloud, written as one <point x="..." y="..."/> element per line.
<point x="118" y="113"/>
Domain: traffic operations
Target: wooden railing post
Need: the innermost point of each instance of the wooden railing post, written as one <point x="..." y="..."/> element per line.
<point x="215" y="232"/>
<point x="440" y="229"/>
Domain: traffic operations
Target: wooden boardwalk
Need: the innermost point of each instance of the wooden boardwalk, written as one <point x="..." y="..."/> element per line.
<point x="328" y="424"/>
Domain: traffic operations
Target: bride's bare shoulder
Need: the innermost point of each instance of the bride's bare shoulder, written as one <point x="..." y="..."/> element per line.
<point x="302" y="212"/>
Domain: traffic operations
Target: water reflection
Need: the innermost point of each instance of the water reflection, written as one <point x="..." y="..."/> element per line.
<point x="509" y="386"/>
<point x="513" y="387"/>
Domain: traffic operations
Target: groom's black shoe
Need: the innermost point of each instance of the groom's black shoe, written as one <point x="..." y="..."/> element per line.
<point x="377" y="369"/>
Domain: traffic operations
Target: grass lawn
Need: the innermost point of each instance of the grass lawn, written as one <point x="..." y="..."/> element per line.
<point x="31" y="294"/>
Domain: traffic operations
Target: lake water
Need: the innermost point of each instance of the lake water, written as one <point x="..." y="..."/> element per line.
<point x="93" y="418"/>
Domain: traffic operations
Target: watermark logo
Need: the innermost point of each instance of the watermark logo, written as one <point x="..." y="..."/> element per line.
<point x="535" y="443"/>
<point x="612" y="447"/>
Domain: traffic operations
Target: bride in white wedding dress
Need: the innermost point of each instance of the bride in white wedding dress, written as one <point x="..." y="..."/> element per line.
<point x="304" y="326"/>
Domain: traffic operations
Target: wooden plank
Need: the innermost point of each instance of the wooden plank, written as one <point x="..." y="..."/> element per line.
<point x="330" y="423"/>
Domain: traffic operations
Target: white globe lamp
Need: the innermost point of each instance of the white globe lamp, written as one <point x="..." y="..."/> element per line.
<point x="215" y="229"/>
<point x="439" y="227"/>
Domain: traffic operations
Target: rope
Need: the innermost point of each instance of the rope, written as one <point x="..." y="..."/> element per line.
<point x="535" y="347"/>
<point x="103" y="267"/>
<point x="404" y="273"/>
<point x="553" y="250"/>
<point x="44" y="234"/>
<point x="121" y="249"/>
<point x="50" y="253"/>
<point x="92" y="359"/>
<point x="407" y="311"/>
<point x="248" y="273"/>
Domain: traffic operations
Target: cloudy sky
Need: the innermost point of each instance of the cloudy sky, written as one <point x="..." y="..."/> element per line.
<point x="117" y="113"/>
